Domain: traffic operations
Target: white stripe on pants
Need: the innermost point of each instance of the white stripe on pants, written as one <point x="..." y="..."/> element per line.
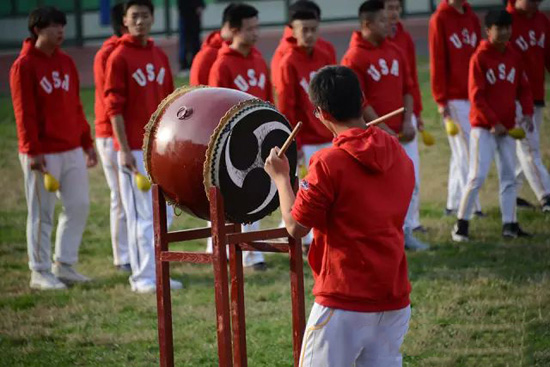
<point x="335" y="338"/>
<point x="412" y="219"/>
<point x="138" y="206"/>
<point x="69" y="168"/>
<point x="119" y="235"/>
<point x="483" y="147"/>
<point x="459" y="144"/>
<point x="530" y="162"/>
<point x="249" y="257"/>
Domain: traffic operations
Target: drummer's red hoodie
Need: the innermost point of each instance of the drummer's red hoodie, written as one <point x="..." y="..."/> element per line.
<point x="245" y="73"/>
<point x="46" y="102"/>
<point x="103" y="128"/>
<point x="453" y="38"/>
<point x="531" y="38"/>
<point x="204" y="59"/>
<point x="138" y="79"/>
<point x="383" y="73"/>
<point x="496" y="81"/>
<point x="355" y="197"/>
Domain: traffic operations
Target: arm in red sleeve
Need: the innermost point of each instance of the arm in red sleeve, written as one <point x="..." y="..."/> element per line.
<point x="116" y="90"/>
<point x="408" y="83"/>
<point x="286" y="101"/>
<point x="438" y="60"/>
<point x="268" y="85"/>
<point x="476" y="91"/>
<point x="411" y="56"/>
<point x="24" y="106"/>
<point x="547" y="46"/>
<point x="169" y="79"/>
<point x="86" y="140"/>
<point x="524" y="93"/>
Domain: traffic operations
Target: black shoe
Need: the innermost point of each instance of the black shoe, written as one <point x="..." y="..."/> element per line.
<point x="460" y="231"/>
<point x="450" y="212"/>
<point x="480" y="214"/>
<point x="522" y="203"/>
<point x="513" y="230"/>
<point x="546" y="204"/>
<point x="420" y="229"/>
<point x="305" y="249"/>
<point x="259" y="266"/>
<point x="124" y="268"/>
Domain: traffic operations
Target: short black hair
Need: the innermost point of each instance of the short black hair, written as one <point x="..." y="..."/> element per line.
<point x="44" y="17"/>
<point x="237" y="13"/>
<point x="303" y="6"/>
<point x="226" y="11"/>
<point x="498" y="17"/>
<point x="146" y="3"/>
<point x="336" y="90"/>
<point x="369" y="9"/>
<point x="117" y="13"/>
<point x="302" y="15"/>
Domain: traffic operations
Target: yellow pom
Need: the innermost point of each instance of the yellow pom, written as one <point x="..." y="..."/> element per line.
<point x="427" y="138"/>
<point x="517" y="133"/>
<point x="302" y="171"/>
<point x="399" y="136"/>
<point x="451" y="127"/>
<point x="142" y="182"/>
<point x="50" y="183"/>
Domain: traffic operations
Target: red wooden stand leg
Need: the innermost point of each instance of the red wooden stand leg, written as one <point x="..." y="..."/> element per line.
<point x="221" y="283"/>
<point x="297" y="296"/>
<point x="237" y="303"/>
<point x="164" y="302"/>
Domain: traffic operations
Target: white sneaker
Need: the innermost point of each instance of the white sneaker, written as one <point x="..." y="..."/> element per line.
<point x="150" y="287"/>
<point x="45" y="280"/>
<point x="68" y="275"/>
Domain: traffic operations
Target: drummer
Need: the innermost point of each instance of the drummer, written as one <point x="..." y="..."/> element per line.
<point x="241" y="66"/>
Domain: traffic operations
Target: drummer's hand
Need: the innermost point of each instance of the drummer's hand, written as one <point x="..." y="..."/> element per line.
<point x="277" y="168"/>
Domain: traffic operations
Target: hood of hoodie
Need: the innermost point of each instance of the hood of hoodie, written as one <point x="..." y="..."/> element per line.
<point x="132" y="41"/>
<point x="357" y="40"/>
<point x="111" y="41"/>
<point x="228" y="51"/>
<point x="214" y="40"/>
<point x="485" y="45"/>
<point x="373" y="148"/>
<point x="445" y="7"/>
<point x="28" y="48"/>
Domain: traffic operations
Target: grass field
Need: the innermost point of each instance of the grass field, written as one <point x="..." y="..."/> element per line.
<point x="486" y="303"/>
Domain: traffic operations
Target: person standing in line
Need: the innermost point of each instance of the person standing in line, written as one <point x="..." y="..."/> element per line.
<point x="190" y="12"/>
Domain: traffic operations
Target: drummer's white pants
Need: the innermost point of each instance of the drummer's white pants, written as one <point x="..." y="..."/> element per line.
<point x="249" y="257"/>
<point x="138" y="206"/>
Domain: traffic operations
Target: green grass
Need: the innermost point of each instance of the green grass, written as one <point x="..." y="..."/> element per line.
<point x="486" y="303"/>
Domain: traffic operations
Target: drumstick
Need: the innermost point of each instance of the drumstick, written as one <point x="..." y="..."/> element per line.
<point x="289" y="139"/>
<point x="385" y="117"/>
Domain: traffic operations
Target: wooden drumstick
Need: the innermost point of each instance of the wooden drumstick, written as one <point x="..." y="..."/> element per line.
<point x="290" y="139"/>
<point x="385" y="117"/>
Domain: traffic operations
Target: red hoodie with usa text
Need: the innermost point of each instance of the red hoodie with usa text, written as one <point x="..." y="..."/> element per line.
<point x="453" y="39"/>
<point x="497" y="79"/>
<point x="531" y="38"/>
<point x="138" y="78"/>
<point x="103" y="128"/>
<point x="247" y="73"/>
<point x="383" y="73"/>
<point x="355" y="197"/>
<point x="297" y="68"/>
<point x="46" y="101"/>
<point x="204" y="59"/>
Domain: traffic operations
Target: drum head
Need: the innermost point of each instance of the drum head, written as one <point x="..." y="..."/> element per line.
<point x="236" y="155"/>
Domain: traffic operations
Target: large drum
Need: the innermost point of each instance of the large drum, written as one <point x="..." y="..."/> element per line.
<point x="201" y="137"/>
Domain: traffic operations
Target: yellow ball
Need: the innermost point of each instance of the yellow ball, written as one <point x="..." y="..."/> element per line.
<point x="50" y="183"/>
<point x="517" y="133"/>
<point x="451" y="127"/>
<point x="427" y="138"/>
<point x="142" y="182"/>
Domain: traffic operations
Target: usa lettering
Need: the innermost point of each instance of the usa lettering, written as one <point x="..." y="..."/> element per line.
<point x="533" y="40"/>
<point x="382" y="69"/>
<point x="251" y="80"/>
<point x="464" y="38"/>
<point x="56" y="82"/>
<point x="501" y="73"/>
<point x="305" y="83"/>
<point x="149" y="76"/>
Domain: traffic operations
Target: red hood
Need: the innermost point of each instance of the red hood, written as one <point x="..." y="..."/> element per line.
<point x="214" y="40"/>
<point x="226" y="50"/>
<point x="445" y="7"/>
<point x="485" y="45"/>
<point x="358" y="41"/>
<point x="510" y="7"/>
<point x="373" y="148"/>
<point x="28" y="48"/>
<point x="111" y="41"/>
<point x="131" y="41"/>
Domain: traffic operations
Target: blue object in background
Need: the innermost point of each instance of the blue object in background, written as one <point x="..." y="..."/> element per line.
<point x="105" y="12"/>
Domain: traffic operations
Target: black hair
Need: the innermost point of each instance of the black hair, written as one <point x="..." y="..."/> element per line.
<point x="369" y="9"/>
<point x="336" y="90"/>
<point x="301" y="15"/>
<point x="44" y="17"/>
<point x="498" y="17"/>
<point x="226" y="11"/>
<point x="237" y="13"/>
<point x="303" y="6"/>
<point x="117" y="13"/>
<point x="146" y="3"/>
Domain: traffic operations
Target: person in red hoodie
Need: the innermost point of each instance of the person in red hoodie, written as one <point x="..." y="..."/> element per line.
<point x="138" y="78"/>
<point x="54" y="138"/>
<point x="287" y="41"/>
<point x="454" y="34"/>
<point x="496" y="80"/>
<point x="531" y="38"/>
<point x="386" y="82"/>
<point x="355" y="197"/>
<point x="241" y="66"/>
<point x="204" y="59"/>
<point x="105" y="144"/>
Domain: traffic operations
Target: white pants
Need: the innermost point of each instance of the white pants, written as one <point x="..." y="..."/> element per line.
<point x="482" y="151"/>
<point x="412" y="220"/>
<point x="249" y="257"/>
<point x="530" y="161"/>
<point x="119" y="234"/>
<point x="138" y="206"/>
<point x="338" y="338"/>
<point x="69" y="168"/>
<point x="458" y="167"/>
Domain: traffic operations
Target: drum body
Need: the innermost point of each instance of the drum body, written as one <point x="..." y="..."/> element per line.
<point x="201" y="137"/>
